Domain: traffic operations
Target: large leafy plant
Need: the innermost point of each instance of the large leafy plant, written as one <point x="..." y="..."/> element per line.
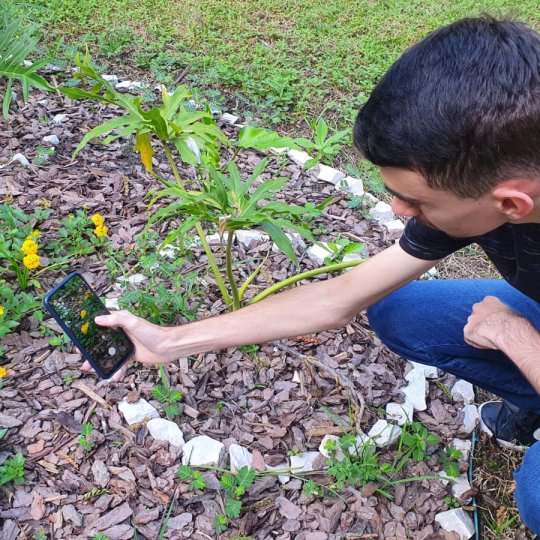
<point x="17" y="43"/>
<point x="223" y="201"/>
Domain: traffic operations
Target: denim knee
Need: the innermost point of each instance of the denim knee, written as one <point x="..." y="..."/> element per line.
<point x="527" y="493"/>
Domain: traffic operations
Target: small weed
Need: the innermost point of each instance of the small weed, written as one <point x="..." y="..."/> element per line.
<point x="40" y="534"/>
<point x="100" y="536"/>
<point x="169" y="398"/>
<point x="12" y="470"/>
<point x="450" y="461"/>
<point x="94" y="493"/>
<point x="249" y="349"/>
<point x="85" y="440"/>
<point x="195" y="479"/>
<point x="43" y="154"/>
<point x="451" y="501"/>
<point x="60" y="342"/>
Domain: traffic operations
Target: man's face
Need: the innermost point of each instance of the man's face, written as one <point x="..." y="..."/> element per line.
<point x="439" y="209"/>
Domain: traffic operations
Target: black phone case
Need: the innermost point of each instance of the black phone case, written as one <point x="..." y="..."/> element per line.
<point x="102" y="374"/>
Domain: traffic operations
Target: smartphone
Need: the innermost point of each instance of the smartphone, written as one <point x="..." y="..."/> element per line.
<point x="74" y="305"/>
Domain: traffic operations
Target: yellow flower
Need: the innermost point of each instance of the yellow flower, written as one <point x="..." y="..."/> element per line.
<point x="1" y="310"/>
<point x="3" y="372"/>
<point x="35" y="233"/>
<point x="87" y="295"/>
<point x="97" y="220"/>
<point x="29" y="247"/>
<point x="84" y="327"/>
<point x="83" y="313"/>
<point x="31" y="261"/>
<point x="100" y="231"/>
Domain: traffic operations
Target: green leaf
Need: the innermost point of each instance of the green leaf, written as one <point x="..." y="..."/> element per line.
<point x="245" y="477"/>
<point x="159" y="393"/>
<point x="262" y="139"/>
<point x="282" y="241"/>
<point x="198" y="481"/>
<point x="228" y="482"/>
<point x="185" y="473"/>
<point x="452" y="469"/>
<point x="86" y="429"/>
<point x="3" y="433"/>
<point x="232" y="507"/>
<point x="176" y="395"/>
<point x="321" y="132"/>
<point x="171" y="410"/>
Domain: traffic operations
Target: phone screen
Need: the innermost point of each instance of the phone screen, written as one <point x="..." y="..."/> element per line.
<point x="77" y="305"/>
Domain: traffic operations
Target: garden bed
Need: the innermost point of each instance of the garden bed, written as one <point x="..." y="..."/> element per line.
<point x="278" y="399"/>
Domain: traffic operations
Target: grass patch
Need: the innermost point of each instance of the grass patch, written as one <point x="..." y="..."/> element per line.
<point x="276" y="60"/>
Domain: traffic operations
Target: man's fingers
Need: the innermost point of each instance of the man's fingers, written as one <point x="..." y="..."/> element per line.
<point x="118" y="318"/>
<point x="86" y="366"/>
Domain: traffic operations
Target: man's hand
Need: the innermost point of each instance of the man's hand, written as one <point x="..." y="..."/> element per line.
<point x="490" y="323"/>
<point x="149" y="339"/>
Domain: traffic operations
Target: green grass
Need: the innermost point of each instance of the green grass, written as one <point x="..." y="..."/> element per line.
<point x="282" y="60"/>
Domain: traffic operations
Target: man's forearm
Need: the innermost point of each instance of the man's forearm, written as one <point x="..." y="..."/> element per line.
<point x="520" y="341"/>
<point x="303" y="310"/>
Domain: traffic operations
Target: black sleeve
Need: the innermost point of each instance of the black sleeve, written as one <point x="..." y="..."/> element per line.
<point x="429" y="244"/>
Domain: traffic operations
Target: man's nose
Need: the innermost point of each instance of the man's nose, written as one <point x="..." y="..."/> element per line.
<point x="401" y="208"/>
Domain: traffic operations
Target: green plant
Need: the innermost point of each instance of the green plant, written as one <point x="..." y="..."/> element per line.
<point x="169" y="398"/>
<point x="326" y="148"/>
<point x="61" y="342"/>
<point x="42" y="155"/>
<point x="12" y="470"/>
<point x="40" y="534"/>
<point x="3" y="431"/>
<point x="85" y="440"/>
<point x="14" y="306"/>
<point x="100" y="536"/>
<point x="235" y="486"/>
<point x="450" y="461"/>
<point x="451" y="501"/>
<point x="17" y="43"/>
<point x="195" y="478"/>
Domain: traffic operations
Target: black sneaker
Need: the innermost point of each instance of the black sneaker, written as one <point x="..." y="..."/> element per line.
<point x="514" y="428"/>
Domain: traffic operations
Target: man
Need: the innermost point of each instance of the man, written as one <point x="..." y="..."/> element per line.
<point x="454" y="126"/>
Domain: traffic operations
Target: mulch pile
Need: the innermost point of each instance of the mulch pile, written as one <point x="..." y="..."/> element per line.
<point x="264" y="410"/>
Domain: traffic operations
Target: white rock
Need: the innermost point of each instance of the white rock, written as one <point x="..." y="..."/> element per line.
<point x="400" y="412"/>
<point x="239" y="457"/>
<point x="135" y="279"/>
<point x="432" y="273"/>
<point x="384" y="434"/>
<point x="228" y="118"/>
<point x="51" y="139"/>
<point x="460" y="485"/>
<point x="111" y="79"/>
<point x="165" y="430"/>
<point x="296" y="240"/>
<point x="355" y="186"/>
<point x="138" y="411"/>
<point x="456" y="520"/>
<point x="14" y="95"/>
<point x="250" y="239"/>
<point x="112" y="303"/>
<point x="203" y="450"/>
<point x="169" y="251"/>
<point x="394" y="226"/>
<point x="27" y="63"/>
<point x="364" y="444"/>
<point x="382" y="212"/>
<point x="216" y="240"/>
<point x="470" y="418"/>
<point x="278" y="150"/>
<point x="329" y="174"/>
<point x="369" y="200"/>
<point x="282" y="478"/>
<point x="299" y="157"/>
<point x="21" y="158"/>
<point x="59" y="118"/>
<point x="463" y="391"/>
<point x="430" y="372"/>
<point x="464" y="446"/>
<point x="303" y="462"/>
<point x="296" y="377"/>
<point x="415" y="392"/>
<point x="325" y="452"/>
<point x="348" y="257"/>
<point x="129" y="85"/>
<point x="317" y="253"/>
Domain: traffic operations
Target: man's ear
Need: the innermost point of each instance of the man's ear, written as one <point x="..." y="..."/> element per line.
<point x="514" y="199"/>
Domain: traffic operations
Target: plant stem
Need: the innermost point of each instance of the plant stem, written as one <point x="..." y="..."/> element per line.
<point x="304" y="275"/>
<point x="172" y="163"/>
<point x="230" y="275"/>
<point x="213" y="265"/>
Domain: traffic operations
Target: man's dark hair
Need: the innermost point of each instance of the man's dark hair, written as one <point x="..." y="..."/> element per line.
<point x="461" y="107"/>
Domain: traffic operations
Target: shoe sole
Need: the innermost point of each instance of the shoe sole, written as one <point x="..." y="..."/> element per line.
<point x="500" y="442"/>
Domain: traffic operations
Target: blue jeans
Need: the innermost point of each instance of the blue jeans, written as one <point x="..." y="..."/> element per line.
<point x="424" y="322"/>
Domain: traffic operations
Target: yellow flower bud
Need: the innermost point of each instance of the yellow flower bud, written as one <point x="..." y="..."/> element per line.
<point x="97" y="220"/>
<point x="3" y="372"/>
<point x="83" y="313"/>
<point x="29" y="247"/>
<point x="32" y="261"/>
<point x="1" y="310"/>
<point x="84" y="327"/>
